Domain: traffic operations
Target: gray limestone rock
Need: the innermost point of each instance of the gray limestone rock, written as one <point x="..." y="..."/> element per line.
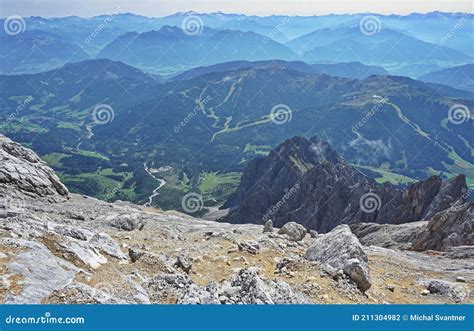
<point x="249" y="246"/>
<point x="454" y="291"/>
<point x="453" y="227"/>
<point x="21" y="169"/>
<point x="295" y="231"/>
<point x="342" y="250"/>
<point x="268" y="226"/>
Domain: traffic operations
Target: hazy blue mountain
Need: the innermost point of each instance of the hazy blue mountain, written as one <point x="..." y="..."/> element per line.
<point x="347" y="70"/>
<point x="454" y="30"/>
<point x="289" y="26"/>
<point x="318" y="38"/>
<point x="92" y="33"/>
<point x="34" y="51"/>
<point x="450" y="29"/>
<point x="387" y="47"/>
<point x="461" y="77"/>
<point x="415" y="70"/>
<point x="171" y="46"/>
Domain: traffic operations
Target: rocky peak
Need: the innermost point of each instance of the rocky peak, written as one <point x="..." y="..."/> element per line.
<point x="450" y="228"/>
<point x="307" y="182"/>
<point x="22" y="171"/>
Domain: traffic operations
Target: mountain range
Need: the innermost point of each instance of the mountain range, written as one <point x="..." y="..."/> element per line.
<point x="461" y="77"/>
<point x="207" y="126"/>
<point x="172" y="46"/>
<point x="387" y="47"/>
<point x="400" y="44"/>
<point x="36" y="51"/>
<point x="236" y="159"/>
<point x="354" y="70"/>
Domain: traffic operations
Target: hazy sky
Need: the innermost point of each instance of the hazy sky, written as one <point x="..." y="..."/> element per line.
<point x="87" y="8"/>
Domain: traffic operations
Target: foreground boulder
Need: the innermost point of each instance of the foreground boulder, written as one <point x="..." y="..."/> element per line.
<point x="246" y="287"/>
<point x="454" y="227"/>
<point x="293" y="230"/>
<point x="22" y="170"/>
<point x="454" y="291"/>
<point x="342" y="250"/>
<point x="268" y="226"/>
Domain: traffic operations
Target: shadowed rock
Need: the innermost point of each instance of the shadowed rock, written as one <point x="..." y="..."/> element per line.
<point x="306" y="182"/>
<point x="454" y="227"/>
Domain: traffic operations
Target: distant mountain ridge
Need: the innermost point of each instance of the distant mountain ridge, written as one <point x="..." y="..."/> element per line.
<point x="355" y="70"/>
<point x="414" y="40"/>
<point x="461" y="77"/>
<point x="173" y="46"/>
<point x="35" y="50"/>
<point x="351" y="44"/>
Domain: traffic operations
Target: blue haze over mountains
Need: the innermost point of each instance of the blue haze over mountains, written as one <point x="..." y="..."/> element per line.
<point x="154" y="75"/>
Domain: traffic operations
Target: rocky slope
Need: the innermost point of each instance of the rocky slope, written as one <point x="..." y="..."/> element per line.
<point x="307" y="182"/>
<point x="57" y="247"/>
<point x="451" y="228"/>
